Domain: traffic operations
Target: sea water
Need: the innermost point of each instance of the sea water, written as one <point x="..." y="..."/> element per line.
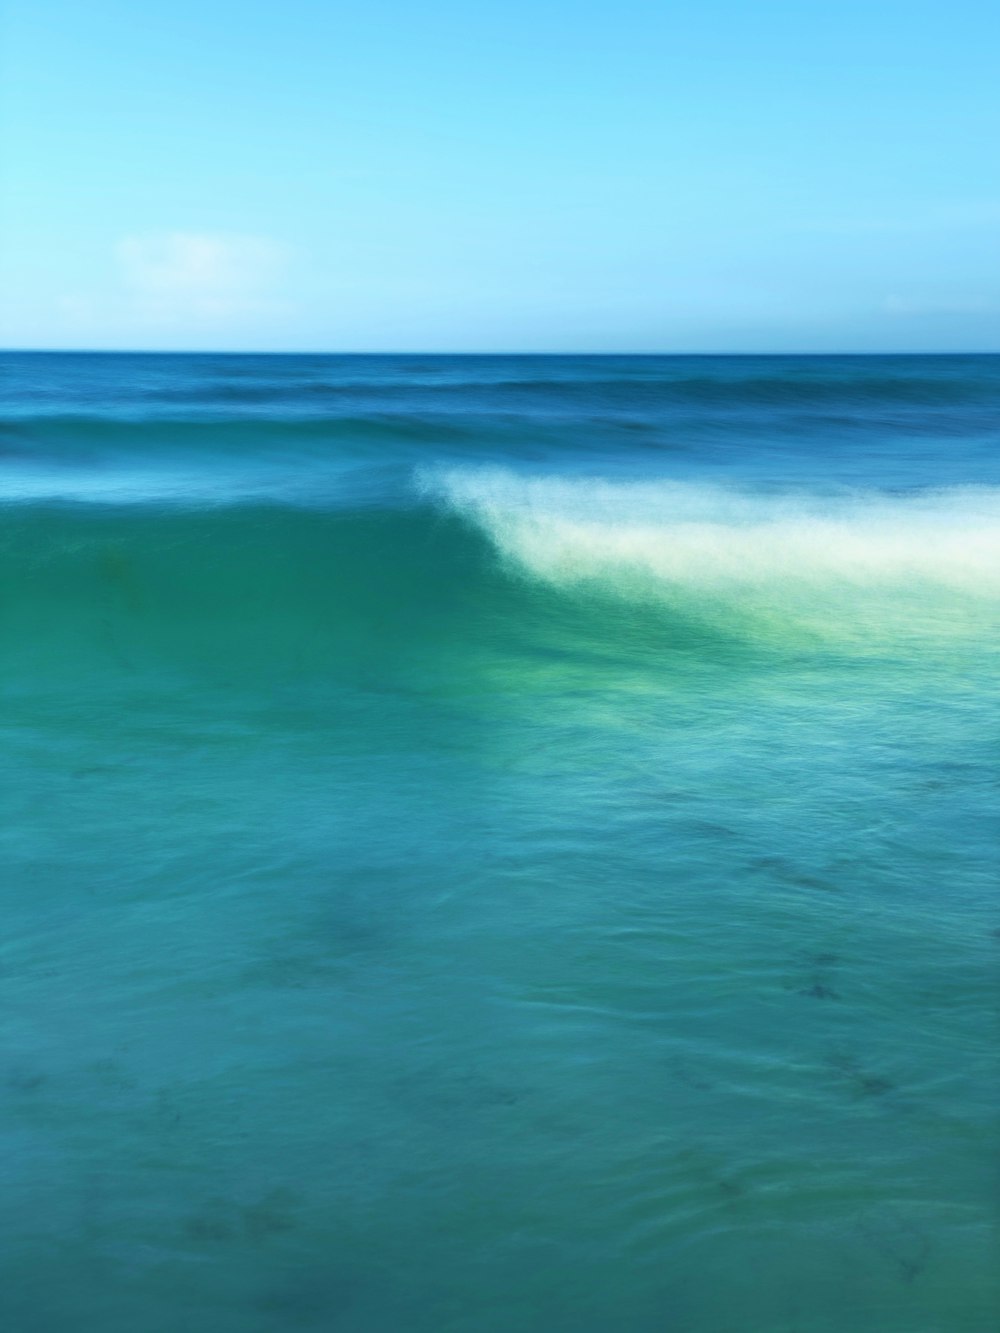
<point x="500" y="844"/>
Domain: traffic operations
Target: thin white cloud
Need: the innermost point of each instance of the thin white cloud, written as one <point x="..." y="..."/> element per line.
<point x="202" y="276"/>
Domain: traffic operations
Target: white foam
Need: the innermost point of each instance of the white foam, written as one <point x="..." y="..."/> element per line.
<point x="666" y="535"/>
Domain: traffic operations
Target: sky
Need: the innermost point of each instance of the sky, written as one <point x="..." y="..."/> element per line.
<point x="532" y="175"/>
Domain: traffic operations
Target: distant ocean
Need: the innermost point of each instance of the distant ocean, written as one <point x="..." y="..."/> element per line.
<point x="500" y="844"/>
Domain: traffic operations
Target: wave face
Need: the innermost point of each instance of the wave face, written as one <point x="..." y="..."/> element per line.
<point x="500" y="842"/>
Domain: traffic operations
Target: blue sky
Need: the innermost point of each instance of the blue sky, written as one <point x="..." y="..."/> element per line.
<point x="540" y="176"/>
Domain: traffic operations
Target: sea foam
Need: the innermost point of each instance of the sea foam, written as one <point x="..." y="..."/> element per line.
<point x="866" y="571"/>
<point x="674" y="533"/>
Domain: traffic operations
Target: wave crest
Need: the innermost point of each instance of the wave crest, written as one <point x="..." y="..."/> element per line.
<point x="872" y="560"/>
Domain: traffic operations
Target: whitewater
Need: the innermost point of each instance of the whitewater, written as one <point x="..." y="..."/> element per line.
<point x="499" y="843"/>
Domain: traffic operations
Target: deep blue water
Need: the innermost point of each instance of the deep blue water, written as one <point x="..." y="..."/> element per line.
<point x="500" y="844"/>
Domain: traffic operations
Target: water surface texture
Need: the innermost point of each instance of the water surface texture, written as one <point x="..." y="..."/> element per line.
<point x="499" y="845"/>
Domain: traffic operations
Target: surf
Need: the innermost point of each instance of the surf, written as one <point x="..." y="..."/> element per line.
<point x="886" y="562"/>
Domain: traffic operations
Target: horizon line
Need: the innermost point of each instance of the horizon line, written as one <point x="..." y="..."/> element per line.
<point x="225" y="351"/>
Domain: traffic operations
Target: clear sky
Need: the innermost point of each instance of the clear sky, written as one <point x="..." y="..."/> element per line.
<point x="538" y="175"/>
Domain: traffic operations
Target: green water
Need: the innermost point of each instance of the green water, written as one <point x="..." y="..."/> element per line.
<point x="477" y="894"/>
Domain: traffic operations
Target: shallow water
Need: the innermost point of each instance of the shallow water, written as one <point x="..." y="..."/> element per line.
<point x="500" y="843"/>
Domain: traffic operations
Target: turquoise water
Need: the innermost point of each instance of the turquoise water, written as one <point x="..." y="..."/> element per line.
<point x="500" y="844"/>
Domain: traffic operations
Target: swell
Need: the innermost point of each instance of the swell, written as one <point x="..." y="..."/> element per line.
<point x="102" y="442"/>
<point x="488" y="581"/>
<point x="164" y="381"/>
<point x="75" y="431"/>
<point x="776" y="391"/>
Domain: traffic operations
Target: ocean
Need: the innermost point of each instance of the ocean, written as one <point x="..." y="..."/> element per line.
<point x="500" y="844"/>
